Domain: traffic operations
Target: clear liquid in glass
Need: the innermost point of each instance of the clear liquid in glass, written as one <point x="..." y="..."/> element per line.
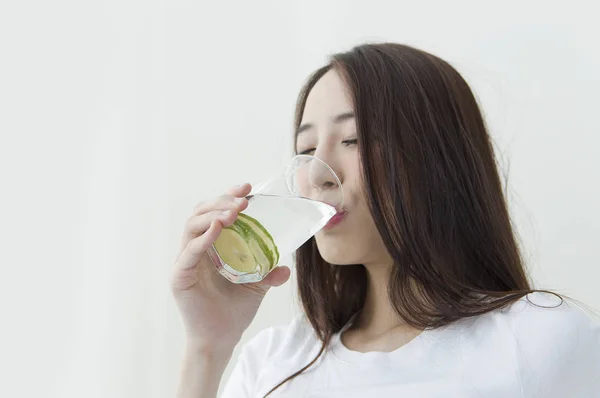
<point x="291" y="221"/>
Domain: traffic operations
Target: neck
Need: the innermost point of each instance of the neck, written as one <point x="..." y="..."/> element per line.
<point x="378" y="315"/>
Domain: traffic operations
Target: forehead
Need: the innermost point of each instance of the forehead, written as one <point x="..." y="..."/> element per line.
<point x="328" y="97"/>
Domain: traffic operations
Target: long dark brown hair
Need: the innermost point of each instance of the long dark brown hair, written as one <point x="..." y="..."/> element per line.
<point x="432" y="183"/>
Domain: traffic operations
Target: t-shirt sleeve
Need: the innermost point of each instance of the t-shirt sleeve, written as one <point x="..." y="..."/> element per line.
<point x="241" y="382"/>
<point x="269" y="357"/>
<point x="558" y="350"/>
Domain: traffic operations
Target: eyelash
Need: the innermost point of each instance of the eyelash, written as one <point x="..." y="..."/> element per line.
<point x="353" y="141"/>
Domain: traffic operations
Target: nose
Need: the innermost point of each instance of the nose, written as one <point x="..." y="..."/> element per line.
<point x="325" y="182"/>
<point x="320" y="176"/>
<point x="329" y="159"/>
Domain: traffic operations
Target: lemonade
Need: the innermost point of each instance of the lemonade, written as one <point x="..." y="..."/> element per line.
<point x="270" y="226"/>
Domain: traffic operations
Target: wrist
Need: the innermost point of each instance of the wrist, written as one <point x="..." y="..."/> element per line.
<point x="212" y="350"/>
<point x="202" y="369"/>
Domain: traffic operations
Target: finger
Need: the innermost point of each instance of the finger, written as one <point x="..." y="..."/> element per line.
<point x="277" y="277"/>
<point x="223" y="202"/>
<point x="197" y="225"/>
<point x="240" y="191"/>
<point x="197" y="247"/>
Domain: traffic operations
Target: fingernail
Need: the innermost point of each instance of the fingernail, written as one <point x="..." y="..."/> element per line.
<point x="240" y="200"/>
<point x="227" y="213"/>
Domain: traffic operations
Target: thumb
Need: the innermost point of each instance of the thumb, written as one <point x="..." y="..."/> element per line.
<point x="278" y="276"/>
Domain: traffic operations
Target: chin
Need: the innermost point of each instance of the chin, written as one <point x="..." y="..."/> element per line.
<point x="335" y="253"/>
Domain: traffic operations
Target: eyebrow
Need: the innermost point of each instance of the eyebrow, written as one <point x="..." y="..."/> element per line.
<point x="342" y="117"/>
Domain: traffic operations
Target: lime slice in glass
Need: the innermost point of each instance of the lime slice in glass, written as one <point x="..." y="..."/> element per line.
<point x="262" y="254"/>
<point x="233" y="250"/>
<point x="264" y="235"/>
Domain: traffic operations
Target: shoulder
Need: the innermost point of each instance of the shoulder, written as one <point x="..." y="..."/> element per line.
<point x="557" y="345"/>
<point x="538" y="324"/>
<point x="544" y="319"/>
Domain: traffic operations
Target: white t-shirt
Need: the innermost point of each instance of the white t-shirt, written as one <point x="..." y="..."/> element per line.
<point x="522" y="350"/>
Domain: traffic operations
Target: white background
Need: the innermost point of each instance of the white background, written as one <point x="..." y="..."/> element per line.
<point x="117" y="116"/>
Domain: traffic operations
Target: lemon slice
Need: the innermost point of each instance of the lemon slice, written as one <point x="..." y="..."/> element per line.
<point x="264" y="236"/>
<point x="233" y="250"/>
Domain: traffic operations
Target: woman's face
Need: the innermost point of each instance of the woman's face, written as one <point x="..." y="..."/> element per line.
<point x="328" y="131"/>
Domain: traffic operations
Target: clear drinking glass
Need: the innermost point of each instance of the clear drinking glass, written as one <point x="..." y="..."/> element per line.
<point x="283" y="212"/>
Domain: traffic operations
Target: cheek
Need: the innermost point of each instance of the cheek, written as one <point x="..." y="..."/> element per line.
<point x="301" y="185"/>
<point x="355" y="195"/>
<point x="352" y="173"/>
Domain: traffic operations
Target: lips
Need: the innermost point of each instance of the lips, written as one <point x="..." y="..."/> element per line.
<point x="335" y="220"/>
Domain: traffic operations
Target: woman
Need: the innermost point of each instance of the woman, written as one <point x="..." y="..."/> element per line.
<point x="420" y="291"/>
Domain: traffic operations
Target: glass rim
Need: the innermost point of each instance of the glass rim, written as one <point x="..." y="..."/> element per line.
<point x="330" y="169"/>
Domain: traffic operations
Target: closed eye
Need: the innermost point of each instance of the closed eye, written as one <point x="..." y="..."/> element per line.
<point x="310" y="151"/>
<point x="307" y="151"/>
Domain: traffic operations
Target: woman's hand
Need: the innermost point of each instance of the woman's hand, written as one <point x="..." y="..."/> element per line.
<point x="215" y="311"/>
